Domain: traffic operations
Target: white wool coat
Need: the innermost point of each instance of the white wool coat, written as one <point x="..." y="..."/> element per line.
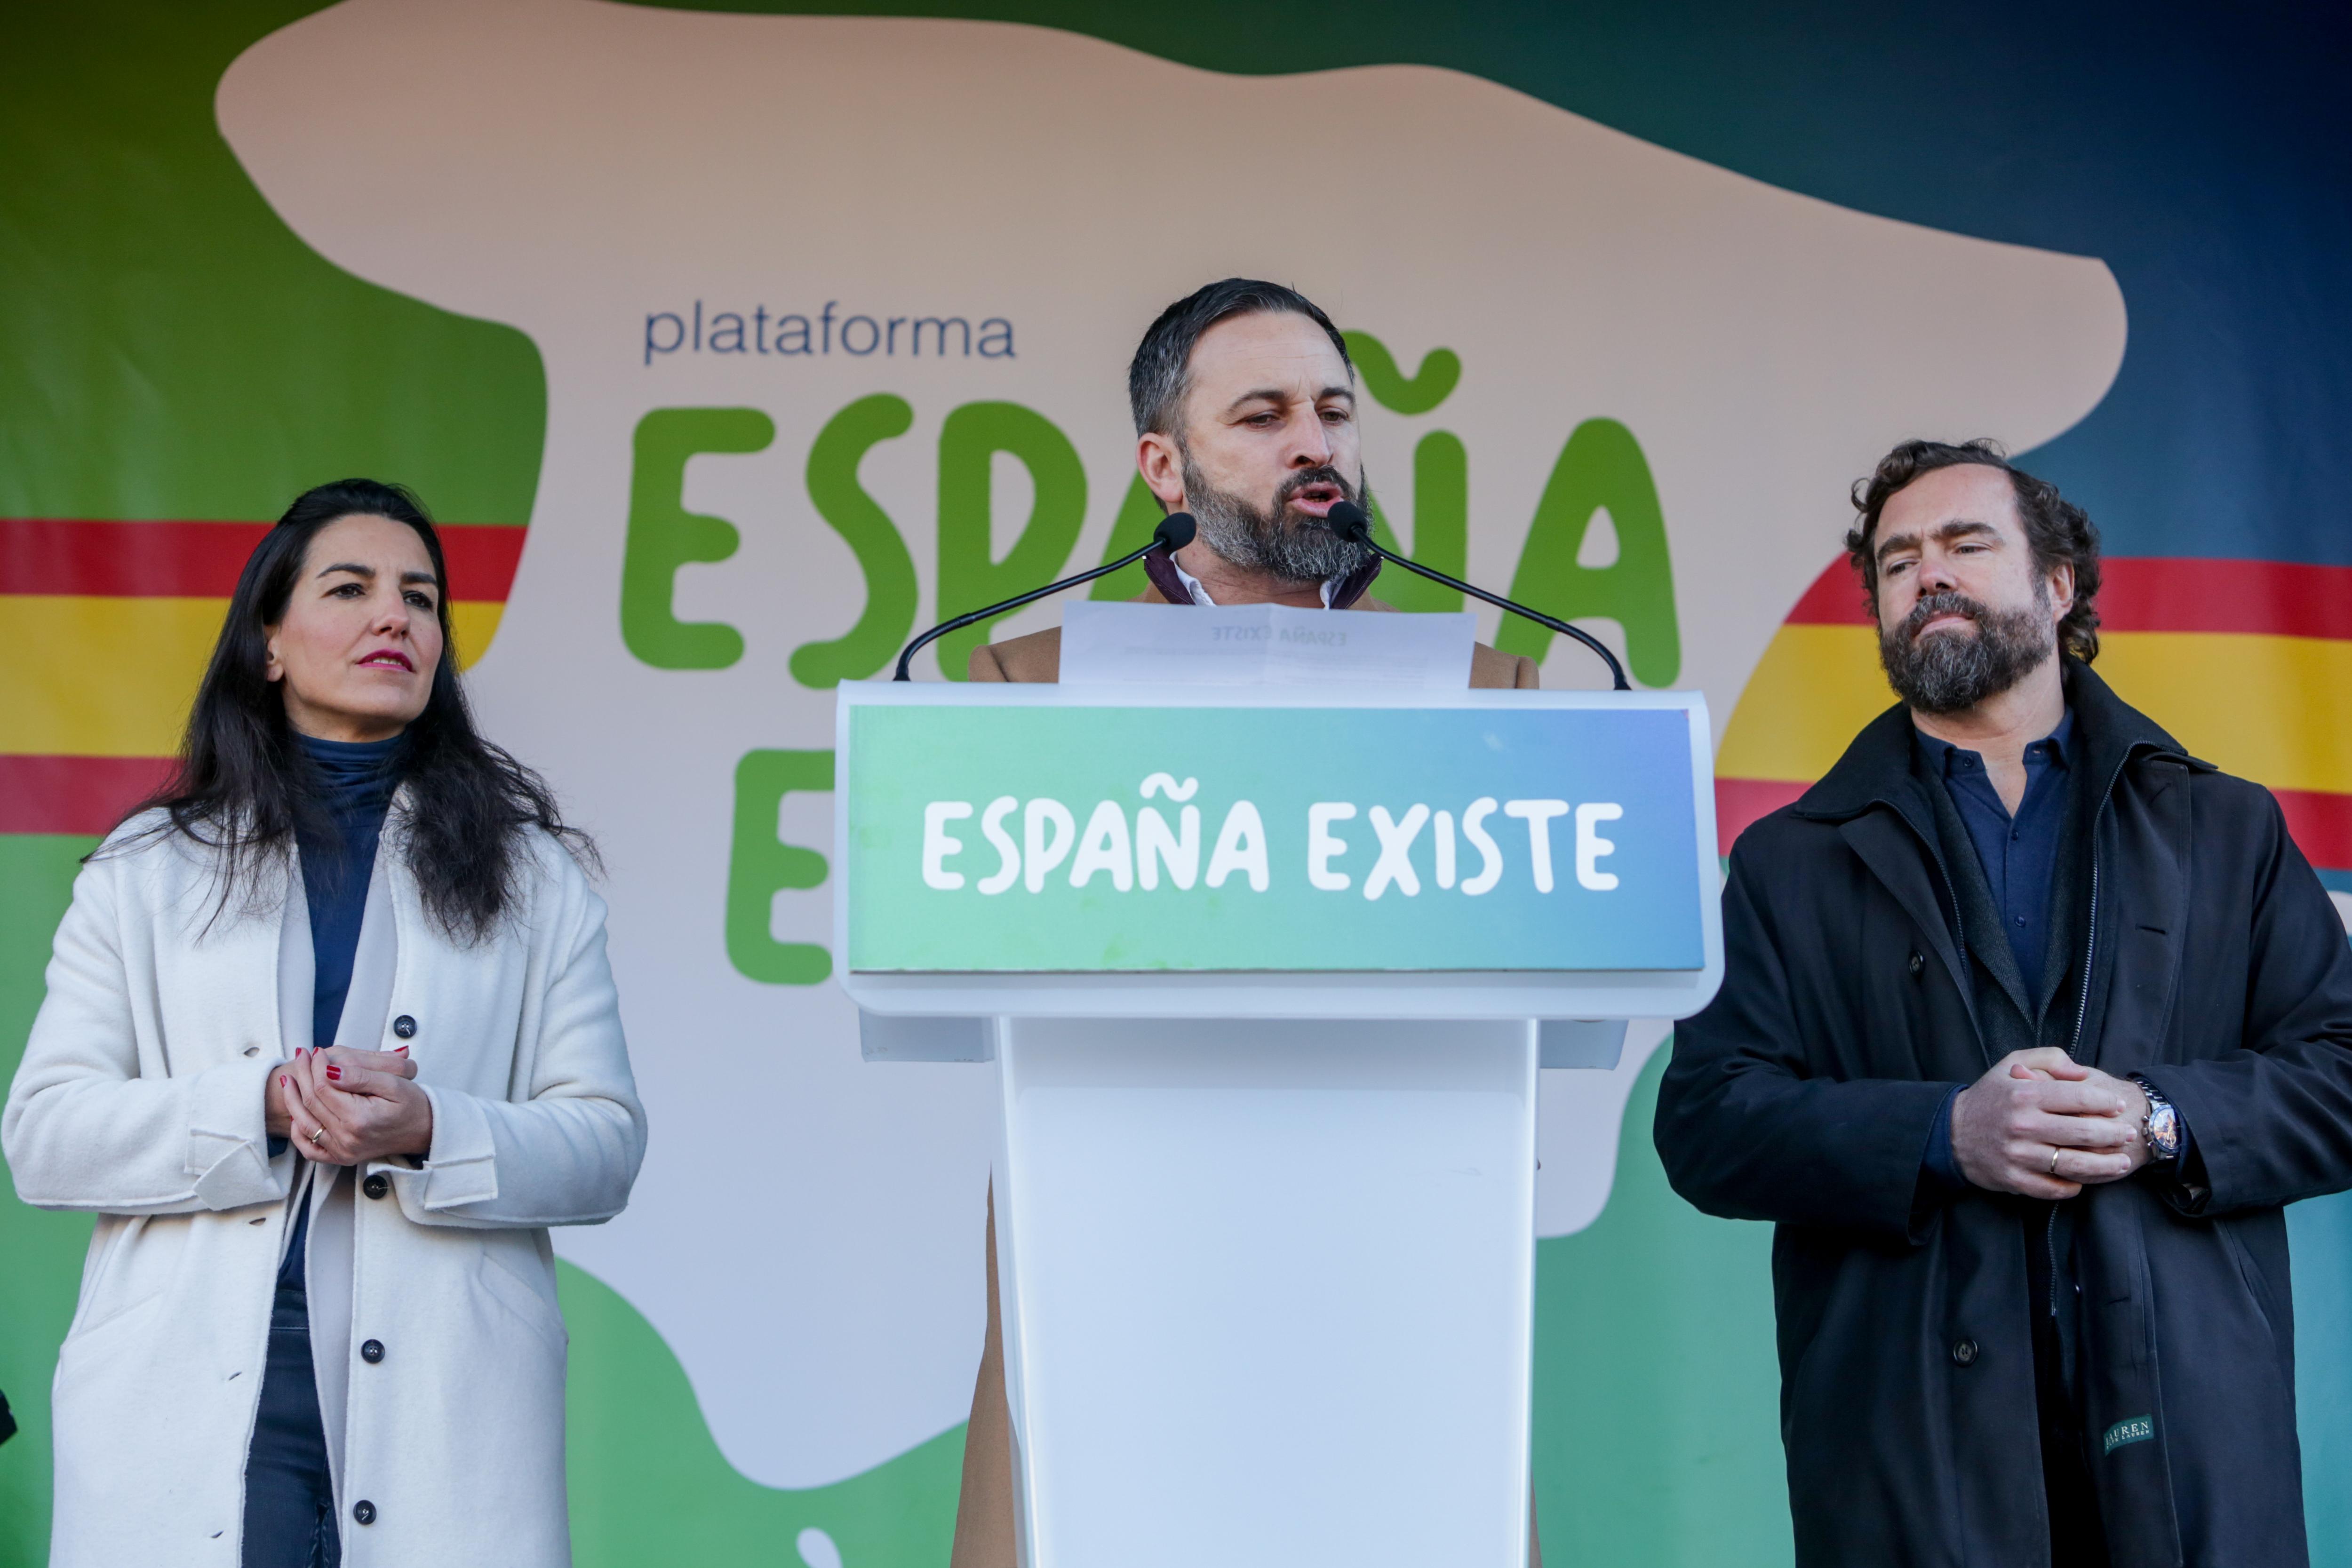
<point x="141" y="1099"/>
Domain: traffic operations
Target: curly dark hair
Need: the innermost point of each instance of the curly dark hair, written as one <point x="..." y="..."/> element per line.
<point x="243" y="787"/>
<point x="2055" y="528"/>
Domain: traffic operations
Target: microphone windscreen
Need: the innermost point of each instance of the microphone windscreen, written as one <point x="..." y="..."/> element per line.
<point x="1349" y="521"/>
<point x="1176" y="530"/>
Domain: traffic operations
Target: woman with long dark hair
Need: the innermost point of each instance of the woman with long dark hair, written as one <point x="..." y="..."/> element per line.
<point x="329" y="1041"/>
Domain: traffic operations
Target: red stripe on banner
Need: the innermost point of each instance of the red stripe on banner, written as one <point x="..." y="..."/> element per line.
<point x="1834" y="600"/>
<point x="74" y="794"/>
<point x="2322" y="826"/>
<point x="2151" y="593"/>
<point x="126" y="560"/>
<point x="1740" y="801"/>
<point x="482" y="561"/>
<point x="2161" y="594"/>
<point x="201" y="560"/>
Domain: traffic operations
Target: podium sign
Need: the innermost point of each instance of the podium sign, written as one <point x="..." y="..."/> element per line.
<point x="1487" y="845"/>
<point x="1261" y="970"/>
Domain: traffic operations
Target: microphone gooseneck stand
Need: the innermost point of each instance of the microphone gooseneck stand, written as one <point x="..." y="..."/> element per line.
<point x="1349" y="521"/>
<point x="1174" y="532"/>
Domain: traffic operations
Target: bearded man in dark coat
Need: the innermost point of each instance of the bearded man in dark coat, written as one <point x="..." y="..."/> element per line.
<point x="2031" y="1023"/>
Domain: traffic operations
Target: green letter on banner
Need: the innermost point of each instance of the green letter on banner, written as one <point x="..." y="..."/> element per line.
<point x="665" y="536"/>
<point x="1440" y="373"/>
<point x="760" y="865"/>
<point x="1441" y="525"/>
<point x="970" y="575"/>
<point x="881" y="554"/>
<point x="1441" y="473"/>
<point x="1600" y="466"/>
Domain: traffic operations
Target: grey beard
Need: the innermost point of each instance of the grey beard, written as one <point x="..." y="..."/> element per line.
<point x="1952" y="672"/>
<point x="1303" y="551"/>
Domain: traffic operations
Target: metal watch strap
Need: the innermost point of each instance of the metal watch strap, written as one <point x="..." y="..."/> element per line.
<point x="2161" y="1125"/>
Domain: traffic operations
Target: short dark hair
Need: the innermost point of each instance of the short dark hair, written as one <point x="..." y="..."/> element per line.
<point x="2055" y="528"/>
<point x="1160" y="373"/>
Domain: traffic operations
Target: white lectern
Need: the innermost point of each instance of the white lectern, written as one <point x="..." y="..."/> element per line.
<point x="1266" y="975"/>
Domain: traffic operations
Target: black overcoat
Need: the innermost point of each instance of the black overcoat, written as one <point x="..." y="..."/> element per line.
<point x="1805" y="1096"/>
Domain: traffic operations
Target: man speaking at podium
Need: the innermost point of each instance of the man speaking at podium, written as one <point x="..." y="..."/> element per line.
<point x="1244" y="404"/>
<point x="2031" y="1023"/>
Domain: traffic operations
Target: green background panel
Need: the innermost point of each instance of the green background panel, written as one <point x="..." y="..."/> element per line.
<point x="168" y="348"/>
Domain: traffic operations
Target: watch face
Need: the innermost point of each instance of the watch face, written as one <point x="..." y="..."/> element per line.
<point x="2163" y="1130"/>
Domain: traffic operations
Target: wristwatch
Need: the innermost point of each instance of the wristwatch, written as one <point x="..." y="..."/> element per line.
<point x="2161" y="1125"/>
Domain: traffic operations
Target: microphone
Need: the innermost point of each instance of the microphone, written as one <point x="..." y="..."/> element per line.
<point x="1349" y="521"/>
<point x="1174" y="532"/>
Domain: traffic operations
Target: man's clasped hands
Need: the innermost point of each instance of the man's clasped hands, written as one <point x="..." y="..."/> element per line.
<point x="2042" y="1125"/>
<point x="345" y="1107"/>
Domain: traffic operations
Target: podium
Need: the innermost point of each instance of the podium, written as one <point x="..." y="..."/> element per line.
<point x="1266" y="975"/>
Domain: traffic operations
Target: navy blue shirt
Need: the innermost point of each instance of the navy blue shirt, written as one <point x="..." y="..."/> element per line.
<point x="2020" y="853"/>
<point x="354" y="780"/>
<point x="290" y="1492"/>
<point x="2019" y="856"/>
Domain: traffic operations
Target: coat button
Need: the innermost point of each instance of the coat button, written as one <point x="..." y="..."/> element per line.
<point x="372" y="1351"/>
<point x="1917" y="963"/>
<point x="404" y="1027"/>
<point x="376" y="1185"/>
<point x="1965" y="1353"/>
<point x="365" y="1511"/>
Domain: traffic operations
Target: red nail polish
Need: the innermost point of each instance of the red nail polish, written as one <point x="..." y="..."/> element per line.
<point x="281" y="1081"/>
<point x="335" y="1073"/>
<point x="400" y="1051"/>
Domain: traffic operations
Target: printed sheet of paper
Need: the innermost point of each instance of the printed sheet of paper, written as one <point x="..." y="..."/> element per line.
<point x="1263" y="644"/>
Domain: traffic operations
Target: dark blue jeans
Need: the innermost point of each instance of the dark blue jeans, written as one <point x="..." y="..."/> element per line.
<point x="290" y="1492"/>
<point x="289" y="1496"/>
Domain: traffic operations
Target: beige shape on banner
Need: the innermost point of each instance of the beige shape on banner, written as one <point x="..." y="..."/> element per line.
<point x="807" y="1234"/>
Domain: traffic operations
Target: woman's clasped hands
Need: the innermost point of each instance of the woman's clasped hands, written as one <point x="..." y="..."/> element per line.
<point x="345" y="1107"/>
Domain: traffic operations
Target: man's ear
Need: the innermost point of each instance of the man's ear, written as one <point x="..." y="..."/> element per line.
<point x="1162" y="467"/>
<point x="2062" y="588"/>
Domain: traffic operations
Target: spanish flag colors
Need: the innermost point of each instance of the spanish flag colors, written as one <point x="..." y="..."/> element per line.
<point x="110" y="625"/>
<point x="2248" y="663"/>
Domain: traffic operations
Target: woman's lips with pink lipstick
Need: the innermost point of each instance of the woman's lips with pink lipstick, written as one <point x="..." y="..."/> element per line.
<point x="388" y="659"/>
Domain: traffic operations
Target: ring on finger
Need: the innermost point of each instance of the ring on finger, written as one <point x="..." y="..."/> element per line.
<point x="2054" y="1159"/>
<point x="319" y="1133"/>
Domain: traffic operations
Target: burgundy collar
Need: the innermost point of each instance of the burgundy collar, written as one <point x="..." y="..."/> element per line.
<point x="1160" y="568"/>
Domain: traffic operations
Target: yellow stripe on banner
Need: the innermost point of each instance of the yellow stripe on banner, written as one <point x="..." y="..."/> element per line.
<point x="113" y="677"/>
<point x="472" y="622"/>
<point x="2277" y="710"/>
<point x="101" y="677"/>
<point x="1814" y="689"/>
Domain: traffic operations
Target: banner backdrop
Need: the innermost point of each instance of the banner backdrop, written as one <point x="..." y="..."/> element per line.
<point x="785" y="335"/>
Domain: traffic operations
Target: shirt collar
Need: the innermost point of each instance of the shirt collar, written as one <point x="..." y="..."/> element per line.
<point x="1943" y="757"/>
<point x="1201" y="595"/>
